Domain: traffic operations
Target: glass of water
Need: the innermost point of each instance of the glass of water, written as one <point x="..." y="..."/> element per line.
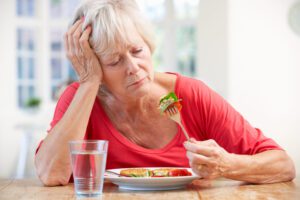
<point x="88" y="165"/>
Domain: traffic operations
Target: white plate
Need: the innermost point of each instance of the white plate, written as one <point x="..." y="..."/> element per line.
<point x="150" y="183"/>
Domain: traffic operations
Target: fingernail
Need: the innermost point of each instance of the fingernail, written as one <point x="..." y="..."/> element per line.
<point x="82" y="18"/>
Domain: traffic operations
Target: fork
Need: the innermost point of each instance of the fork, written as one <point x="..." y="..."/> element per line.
<point x="174" y="114"/>
<point x="115" y="173"/>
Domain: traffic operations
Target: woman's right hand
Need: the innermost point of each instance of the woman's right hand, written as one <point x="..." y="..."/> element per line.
<point x="79" y="52"/>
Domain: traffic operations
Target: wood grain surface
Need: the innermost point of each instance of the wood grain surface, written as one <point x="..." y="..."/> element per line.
<point x="216" y="189"/>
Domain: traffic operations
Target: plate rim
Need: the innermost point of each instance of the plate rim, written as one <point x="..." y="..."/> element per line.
<point x="151" y="183"/>
<point x="115" y="177"/>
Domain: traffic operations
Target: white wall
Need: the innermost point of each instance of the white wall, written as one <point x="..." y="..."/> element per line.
<point x="7" y="99"/>
<point x="213" y="44"/>
<point x="17" y="128"/>
<point x="264" y="69"/>
<point x="260" y="69"/>
<point x="7" y="57"/>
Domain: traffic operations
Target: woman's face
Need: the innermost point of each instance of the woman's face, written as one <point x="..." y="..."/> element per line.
<point x="128" y="73"/>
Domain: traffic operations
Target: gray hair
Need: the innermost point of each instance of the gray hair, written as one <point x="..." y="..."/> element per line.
<point x="112" y="22"/>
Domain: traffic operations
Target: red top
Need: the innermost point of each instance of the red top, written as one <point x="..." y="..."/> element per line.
<point x="205" y="115"/>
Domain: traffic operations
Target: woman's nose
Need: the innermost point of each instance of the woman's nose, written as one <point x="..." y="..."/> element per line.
<point x="132" y="65"/>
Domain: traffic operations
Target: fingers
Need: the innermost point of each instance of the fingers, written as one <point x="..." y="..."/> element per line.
<point x="69" y="45"/>
<point x="70" y="33"/>
<point x="204" y="157"/>
<point x="73" y="47"/>
<point x="198" y="159"/>
<point x="196" y="170"/>
<point x="193" y="140"/>
<point x="66" y="42"/>
<point x="84" y="43"/>
<point x="210" y="142"/>
<point x="198" y="148"/>
<point x="76" y="35"/>
<point x="81" y="55"/>
<point x="205" y="172"/>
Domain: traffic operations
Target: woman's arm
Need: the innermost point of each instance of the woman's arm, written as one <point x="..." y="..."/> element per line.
<point x="52" y="161"/>
<point x="231" y="148"/>
<point x="266" y="167"/>
<point x="209" y="160"/>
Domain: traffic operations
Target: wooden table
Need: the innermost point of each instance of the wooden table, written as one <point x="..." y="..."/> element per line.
<point x="217" y="189"/>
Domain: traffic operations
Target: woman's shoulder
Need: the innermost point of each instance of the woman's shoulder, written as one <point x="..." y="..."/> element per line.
<point x="179" y="83"/>
<point x="69" y="90"/>
<point x="166" y="80"/>
<point x="66" y="93"/>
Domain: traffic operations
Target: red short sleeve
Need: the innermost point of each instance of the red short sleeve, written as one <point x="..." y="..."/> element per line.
<point x="63" y="103"/>
<point x="209" y="116"/>
<point x="230" y="130"/>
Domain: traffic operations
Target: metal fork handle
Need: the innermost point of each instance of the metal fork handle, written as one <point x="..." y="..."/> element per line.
<point x="176" y="117"/>
<point x="184" y="131"/>
<point x="114" y="173"/>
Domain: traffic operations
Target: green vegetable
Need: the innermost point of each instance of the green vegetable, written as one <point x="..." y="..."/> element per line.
<point x="167" y="100"/>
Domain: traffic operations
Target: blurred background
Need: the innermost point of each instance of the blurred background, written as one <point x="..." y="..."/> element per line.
<point x="246" y="50"/>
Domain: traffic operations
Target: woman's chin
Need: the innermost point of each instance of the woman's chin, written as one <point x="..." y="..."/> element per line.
<point x="141" y="90"/>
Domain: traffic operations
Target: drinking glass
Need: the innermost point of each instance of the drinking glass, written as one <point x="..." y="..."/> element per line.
<point x="88" y="166"/>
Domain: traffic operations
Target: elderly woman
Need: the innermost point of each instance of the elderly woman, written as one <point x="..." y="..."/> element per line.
<point x="116" y="99"/>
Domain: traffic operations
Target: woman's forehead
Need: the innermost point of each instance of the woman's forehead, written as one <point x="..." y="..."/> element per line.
<point x="122" y="46"/>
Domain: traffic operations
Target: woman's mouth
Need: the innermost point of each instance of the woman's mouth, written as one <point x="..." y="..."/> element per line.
<point x="137" y="83"/>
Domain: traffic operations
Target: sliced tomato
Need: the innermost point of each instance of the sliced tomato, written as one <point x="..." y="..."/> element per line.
<point x="180" y="172"/>
<point x="176" y="104"/>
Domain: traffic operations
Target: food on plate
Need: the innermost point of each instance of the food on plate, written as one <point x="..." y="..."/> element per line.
<point x="136" y="172"/>
<point x="160" y="172"/>
<point x="169" y="100"/>
<point x="170" y="172"/>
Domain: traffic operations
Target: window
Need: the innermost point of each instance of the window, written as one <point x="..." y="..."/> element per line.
<point x="186" y="57"/>
<point x="26" y="69"/>
<point x="154" y="10"/>
<point x="62" y="72"/>
<point x="173" y="17"/>
<point x="62" y="8"/>
<point x="186" y="9"/>
<point x="176" y="47"/>
<point x="25" y="8"/>
<point x="26" y="52"/>
<point x="60" y="68"/>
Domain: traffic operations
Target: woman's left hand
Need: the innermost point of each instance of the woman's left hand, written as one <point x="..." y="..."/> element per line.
<point x="207" y="158"/>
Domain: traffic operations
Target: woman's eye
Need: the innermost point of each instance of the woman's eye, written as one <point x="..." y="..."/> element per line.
<point x="114" y="63"/>
<point x="138" y="50"/>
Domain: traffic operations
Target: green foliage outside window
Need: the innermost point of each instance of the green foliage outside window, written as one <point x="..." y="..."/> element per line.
<point x="33" y="102"/>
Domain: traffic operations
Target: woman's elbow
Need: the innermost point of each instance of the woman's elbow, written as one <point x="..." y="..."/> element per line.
<point x="53" y="181"/>
<point x="52" y="178"/>
<point x="283" y="169"/>
<point x="290" y="169"/>
<point x="286" y="168"/>
<point x="48" y="176"/>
